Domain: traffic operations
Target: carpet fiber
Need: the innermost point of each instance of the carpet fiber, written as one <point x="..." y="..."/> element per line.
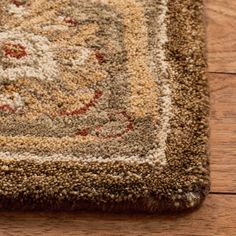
<point x="103" y="105"/>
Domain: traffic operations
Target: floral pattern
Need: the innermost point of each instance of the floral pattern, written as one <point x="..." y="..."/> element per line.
<point x="14" y="50"/>
<point x="11" y="103"/>
<point x="53" y="55"/>
<point x="26" y="55"/>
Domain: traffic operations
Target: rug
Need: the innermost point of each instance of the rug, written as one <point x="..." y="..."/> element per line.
<point x="103" y="105"/>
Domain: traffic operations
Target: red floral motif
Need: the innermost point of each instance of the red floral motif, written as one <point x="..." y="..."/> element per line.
<point x="128" y="128"/>
<point x="100" y="57"/>
<point x="86" y="107"/>
<point x="83" y="132"/>
<point x="14" y="50"/>
<point x="7" y="108"/>
<point x="70" y="21"/>
<point x="111" y="117"/>
<point x="19" y="3"/>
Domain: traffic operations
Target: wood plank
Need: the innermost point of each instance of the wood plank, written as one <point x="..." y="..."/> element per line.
<point x="221" y="35"/>
<point x="223" y="132"/>
<point x="215" y="217"/>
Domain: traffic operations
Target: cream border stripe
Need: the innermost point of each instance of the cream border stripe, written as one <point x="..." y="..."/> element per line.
<point x="161" y="38"/>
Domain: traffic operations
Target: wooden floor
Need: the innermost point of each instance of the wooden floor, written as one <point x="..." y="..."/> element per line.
<point x="217" y="216"/>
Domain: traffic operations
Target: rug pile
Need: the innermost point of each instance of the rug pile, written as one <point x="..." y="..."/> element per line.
<point x="103" y="105"/>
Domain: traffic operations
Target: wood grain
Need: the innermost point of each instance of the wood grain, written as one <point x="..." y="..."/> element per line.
<point x="215" y="217"/>
<point x="223" y="132"/>
<point x="221" y="35"/>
